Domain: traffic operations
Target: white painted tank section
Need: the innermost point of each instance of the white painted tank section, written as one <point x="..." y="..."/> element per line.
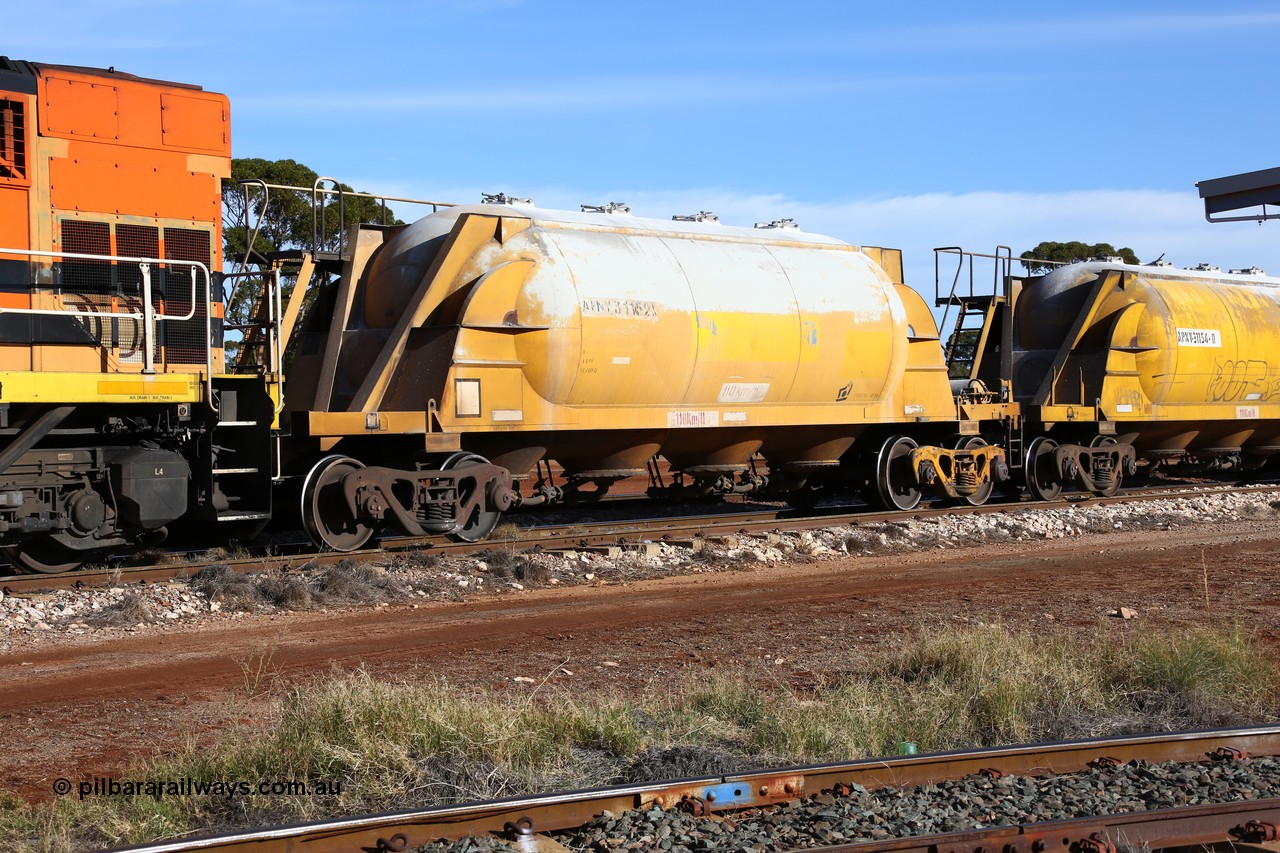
<point x="656" y="312"/>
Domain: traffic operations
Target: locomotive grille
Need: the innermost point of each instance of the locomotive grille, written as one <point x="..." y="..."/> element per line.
<point x="140" y="241"/>
<point x="185" y="339"/>
<point x="93" y="285"/>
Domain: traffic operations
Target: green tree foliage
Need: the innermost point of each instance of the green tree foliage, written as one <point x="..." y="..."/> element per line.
<point x="288" y="219"/>
<point x="964" y="349"/>
<point x="1065" y="253"/>
<point x="281" y="220"/>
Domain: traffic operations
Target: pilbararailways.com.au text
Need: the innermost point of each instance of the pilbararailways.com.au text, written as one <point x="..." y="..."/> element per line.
<point x="228" y="789"/>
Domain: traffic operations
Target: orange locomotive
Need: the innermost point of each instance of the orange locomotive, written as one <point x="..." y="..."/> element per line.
<point x="117" y="414"/>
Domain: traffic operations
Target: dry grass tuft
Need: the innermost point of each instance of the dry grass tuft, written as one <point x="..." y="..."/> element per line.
<point x="421" y="744"/>
<point x="233" y="590"/>
<point x="130" y="610"/>
<point x="350" y="582"/>
<point x="346" y="583"/>
<point x="289" y="591"/>
<point x="506" y="564"/>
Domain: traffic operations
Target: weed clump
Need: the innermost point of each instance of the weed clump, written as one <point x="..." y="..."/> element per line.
<point x="689" y="761"/>
<point x="347" y="582"/>
<point x="350" y="582"/>
<point x="529" y="572"/>
<point x="233" y="590"/>
<point x="291" y="592"/>
<point x="132" y="609"/>
<point x="508" y="532"/>
<point x="505" y="564"/>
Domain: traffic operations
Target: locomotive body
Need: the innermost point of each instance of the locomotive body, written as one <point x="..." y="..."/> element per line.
<point x="111" y="354"/>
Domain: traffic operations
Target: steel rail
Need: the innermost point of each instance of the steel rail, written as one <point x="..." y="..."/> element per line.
<point x="1235" y="826"/>
<point x="557" y="812"/>
<point x="623" y="534"/>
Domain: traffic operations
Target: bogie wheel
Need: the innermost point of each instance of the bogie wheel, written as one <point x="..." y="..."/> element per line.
<point x="1114" y="488"/>
<point x="979" y="497"/>
<point x="1041" y="470"/>
<point x="49" y="557"/>
<point x="481" y="523"/>
<point x="896" y="483"/>
<point x="325" y="514"/>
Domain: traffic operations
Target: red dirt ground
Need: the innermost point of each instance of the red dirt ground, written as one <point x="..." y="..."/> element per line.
<point x="88" y="706"/>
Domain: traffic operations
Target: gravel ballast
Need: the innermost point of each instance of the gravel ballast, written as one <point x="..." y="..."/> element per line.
<point x="422" y="576"/>
<point x="974" y="802"/>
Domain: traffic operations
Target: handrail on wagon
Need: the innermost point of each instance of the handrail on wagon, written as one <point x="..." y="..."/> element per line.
<point x="320" y="195"/>
<point x="1002" y="268"/>
<point x="270" y="327"/>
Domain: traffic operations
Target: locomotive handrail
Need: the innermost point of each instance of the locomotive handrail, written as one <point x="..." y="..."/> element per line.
<point x="196" y="266"/>
<point x="251" y="238"/>
<point x="148" y="316"/>
<point x="318" y="191"/>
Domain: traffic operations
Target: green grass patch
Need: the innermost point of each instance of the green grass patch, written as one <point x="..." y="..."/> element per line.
<point x="392" y="745"/>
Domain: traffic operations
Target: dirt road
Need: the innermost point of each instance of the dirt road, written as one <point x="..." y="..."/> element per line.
<point x="87" y="706"/>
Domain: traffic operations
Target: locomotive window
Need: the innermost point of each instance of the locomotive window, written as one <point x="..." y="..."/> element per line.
<point x="13" y="140"/>
<point x="466" y="393"/>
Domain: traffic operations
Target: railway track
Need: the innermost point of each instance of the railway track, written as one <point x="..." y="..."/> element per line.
<point x="759" y="803"/>
<point x="627" y="533"/>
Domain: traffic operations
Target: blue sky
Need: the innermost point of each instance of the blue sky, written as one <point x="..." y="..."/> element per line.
<point x="909" y="124"/>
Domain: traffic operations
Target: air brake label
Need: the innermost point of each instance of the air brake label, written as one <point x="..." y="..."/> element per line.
<point x="1199" y="338"/>
<point x="1246" y="412"/>
<point x="677" y="420"/>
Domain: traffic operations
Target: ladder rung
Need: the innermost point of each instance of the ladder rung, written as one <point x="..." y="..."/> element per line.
<point x="235" y="470"/>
